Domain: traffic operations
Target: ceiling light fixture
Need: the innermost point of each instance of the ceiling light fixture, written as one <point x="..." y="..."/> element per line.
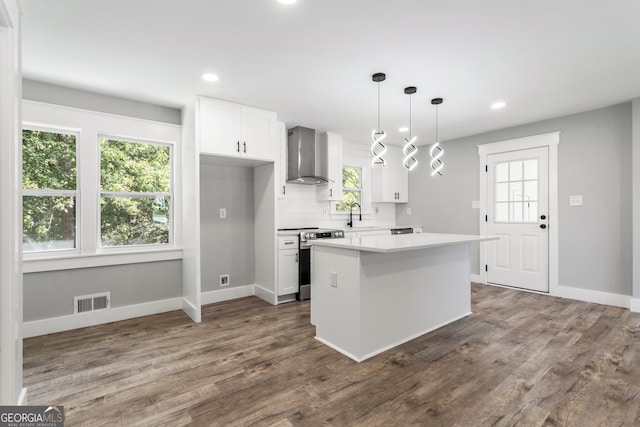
<point x="403" y="129"/>
<point x="377" y="147"/>
<point x="498" y="105"/>
<point x="287" y="1"/>
<point x="209" y="77"/>
<point x="436" y="151"/>
<point x="409" y="148"/>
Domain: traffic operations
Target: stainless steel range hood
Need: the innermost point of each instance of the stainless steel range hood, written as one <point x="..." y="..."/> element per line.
<point x="307" y="157"/>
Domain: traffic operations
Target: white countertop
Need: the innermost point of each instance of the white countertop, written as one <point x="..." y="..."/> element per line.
<point x="401" y="242"/>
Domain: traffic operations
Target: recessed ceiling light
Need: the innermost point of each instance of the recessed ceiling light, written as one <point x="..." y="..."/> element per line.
<point x="209" y="77"/>
<point x="403" y="129"/>
<point x="498" y="105"/>
<point x="287" y="1"/>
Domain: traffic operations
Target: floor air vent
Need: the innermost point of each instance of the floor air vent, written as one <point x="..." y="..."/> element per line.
<point x="85" y="303"/>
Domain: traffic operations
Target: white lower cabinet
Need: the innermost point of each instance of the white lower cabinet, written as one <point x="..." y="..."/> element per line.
<point x="287" y="265"/>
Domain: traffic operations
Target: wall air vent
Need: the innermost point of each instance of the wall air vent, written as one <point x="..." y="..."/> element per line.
<point x="86" y="303"/>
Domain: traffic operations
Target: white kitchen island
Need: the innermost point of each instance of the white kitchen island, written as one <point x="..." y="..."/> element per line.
<point x="371" y="294"/>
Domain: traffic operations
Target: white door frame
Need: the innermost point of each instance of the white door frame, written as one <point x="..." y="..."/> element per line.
<point x="550" y="140"/>
<point x="11" y="391"/>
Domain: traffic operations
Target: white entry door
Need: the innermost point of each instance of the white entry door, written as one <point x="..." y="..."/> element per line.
<point x="517" y="212"/>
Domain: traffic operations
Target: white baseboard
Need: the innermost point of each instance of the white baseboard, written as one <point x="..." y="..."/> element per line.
<point x="191" y="310"/>
<point x="227" y="294"/>
<point x="35" y="328"/>
<point x="634" y="305"/>
<point x="588" y="295"/>
<point x="22" y="399"/>
<point x="266" y="295"/>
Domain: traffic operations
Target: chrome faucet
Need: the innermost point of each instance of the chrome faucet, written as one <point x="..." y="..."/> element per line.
<point x="350" y="222"/>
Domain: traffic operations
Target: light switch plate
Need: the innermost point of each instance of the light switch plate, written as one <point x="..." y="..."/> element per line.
<point x="575" y="200"/>
<point x="223" y="213"/>
<point x="334" y="279"/>
<point x="408" y="211"/>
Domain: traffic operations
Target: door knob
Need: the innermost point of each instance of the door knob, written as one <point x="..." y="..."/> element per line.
<point x="543" y="217"/>
<point x="543" y="226"/>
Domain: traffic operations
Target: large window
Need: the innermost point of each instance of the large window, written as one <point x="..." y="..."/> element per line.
<point x="49" y="181"/>
<point x="135" y="193"/>
<point x="351" y="188"/>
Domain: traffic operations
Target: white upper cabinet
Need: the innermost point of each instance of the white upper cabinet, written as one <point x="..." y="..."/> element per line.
<point x="230" y="129"/>
<point x="391" y="182"/>
<point x="333" y="189"/>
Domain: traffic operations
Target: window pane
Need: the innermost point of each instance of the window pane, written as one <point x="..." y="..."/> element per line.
<point x="531" y="169"/>
<point x="134" y="167"/>
<point x="351" y="178"/>
<point x="515" y="191"/>
<point x="530" y="213"/>
<point x="515" y="171"/>
<point x="49" y="223"/>
<point x="515" y="212"/>
<point x="502" y="192"/>
<point x="348" y="200"/>
<point x="502" y="212"/>
<point x="134" y="221"/>
<point x="48" y="160"/>
<point x="502" y="172"/>
<point x="530" y="190"/>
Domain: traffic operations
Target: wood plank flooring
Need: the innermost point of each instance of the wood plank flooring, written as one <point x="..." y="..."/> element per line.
<point x="521" y="359"/>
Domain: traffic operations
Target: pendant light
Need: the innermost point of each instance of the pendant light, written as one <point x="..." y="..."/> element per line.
<point x="377" y="147"/>
<point x="409" y="148"/>
<point x="436" y="150"/>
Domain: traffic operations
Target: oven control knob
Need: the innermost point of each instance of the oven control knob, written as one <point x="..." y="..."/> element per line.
<point x="308" y="235"/>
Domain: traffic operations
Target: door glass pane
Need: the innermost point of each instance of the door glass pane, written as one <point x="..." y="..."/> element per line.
<point x="530" y="213"/>
<point x="515" y="171"/>
<point x="502" y="172"/>
<point x="531" y="169"/>
<point x="502" y="192"/>
<point x="530" y="191"/>
<point x="515" y="212"/>
<point x="515" y="191"/>
<point x="501" y="212"/>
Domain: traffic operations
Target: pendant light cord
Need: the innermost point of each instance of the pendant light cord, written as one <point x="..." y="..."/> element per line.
<point x="437" y="140"/>
<point x="378" y="130"/>
<point x="409" y="117"/>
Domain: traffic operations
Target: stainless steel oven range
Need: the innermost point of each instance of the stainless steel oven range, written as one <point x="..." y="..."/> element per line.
<point x="304" y="265"/>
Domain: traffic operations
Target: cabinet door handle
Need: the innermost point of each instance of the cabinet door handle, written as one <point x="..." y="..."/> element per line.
<point x="331" y="192"/>
<point x="238" y="148"/>
<point x="244" y="145"/>
<point x="296" y="256"/>
<point x="289" y="243"/>
<point x="284" y="190"/>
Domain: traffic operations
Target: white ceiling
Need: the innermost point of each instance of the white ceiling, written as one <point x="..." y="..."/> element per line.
<point x="312" y="62"/>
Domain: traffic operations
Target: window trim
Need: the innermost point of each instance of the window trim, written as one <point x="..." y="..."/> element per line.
<point x="171" y="194"/>
<point x="50" y="192"/>
<point x="89" y="124"/>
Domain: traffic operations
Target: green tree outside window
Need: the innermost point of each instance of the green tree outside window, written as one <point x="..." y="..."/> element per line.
<point x="351" y="188"/>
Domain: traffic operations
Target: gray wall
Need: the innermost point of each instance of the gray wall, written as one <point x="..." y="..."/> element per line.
<point x="594" y="160"/>
<point x="226" y="245"/>
<point x="50" y="294"/>
<point x="60" y="95"/>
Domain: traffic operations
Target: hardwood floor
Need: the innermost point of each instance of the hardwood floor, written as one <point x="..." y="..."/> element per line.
<point x="520" y="359"/>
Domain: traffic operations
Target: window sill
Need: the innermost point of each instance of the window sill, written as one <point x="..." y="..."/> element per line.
<point x="75" y="261"/>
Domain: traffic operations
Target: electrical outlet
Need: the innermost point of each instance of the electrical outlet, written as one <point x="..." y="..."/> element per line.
<point x="334" y="279"/>
<point x="325" y="211"/>
<point x="223" y="213"/>
<point x="408" y="211"/>
<point x="575" y="200"/>
<point x="224" y="280"/>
